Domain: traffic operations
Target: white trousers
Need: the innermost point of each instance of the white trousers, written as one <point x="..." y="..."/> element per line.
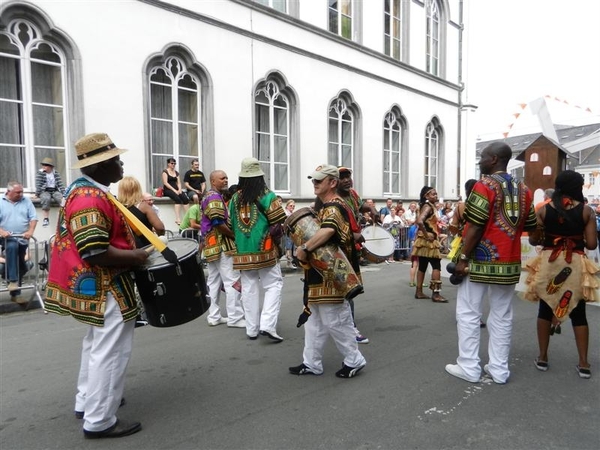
<point x="335" y="321"/>
<point x="221" y="272"/>
<point x="271" y="280"/>
<point x="499" y="325"/>
<point x="104" y="357"/>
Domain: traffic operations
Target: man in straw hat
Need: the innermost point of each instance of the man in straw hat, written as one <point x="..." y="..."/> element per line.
<point x="252" y="210"/>
<point x="330" y="313"/>
<point x="48" y="187"/>
<point x="92" y="283"/>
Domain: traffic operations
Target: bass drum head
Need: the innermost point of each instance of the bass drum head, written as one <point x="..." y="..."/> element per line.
<point x="173" y="294"/>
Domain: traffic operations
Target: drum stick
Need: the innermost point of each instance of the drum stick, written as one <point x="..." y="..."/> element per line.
<point x="377" y="239"/>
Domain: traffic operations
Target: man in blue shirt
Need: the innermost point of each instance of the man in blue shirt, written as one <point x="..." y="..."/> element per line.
<point x="18" y="220"/>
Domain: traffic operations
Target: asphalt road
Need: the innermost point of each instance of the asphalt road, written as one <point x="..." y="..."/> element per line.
<point x="200" y="387"/>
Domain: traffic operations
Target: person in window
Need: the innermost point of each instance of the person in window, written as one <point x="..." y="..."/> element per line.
<point x="131" y="195"/>
<point x="93" y="284"/>
<point x="18" y="220"/>
<point x="48" y="187"/>
<point x="562" y="278"/>
<point x="172" y="189"/>
<point x="195" y="182"/>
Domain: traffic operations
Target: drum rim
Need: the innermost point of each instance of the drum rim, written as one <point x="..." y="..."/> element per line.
<point x="164" y="262"/>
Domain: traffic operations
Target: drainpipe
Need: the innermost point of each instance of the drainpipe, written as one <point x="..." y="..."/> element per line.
<point x="460" y="93"/>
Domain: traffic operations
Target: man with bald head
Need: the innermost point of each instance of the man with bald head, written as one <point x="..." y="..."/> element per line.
<point x="497" y="211"/>
<point x="218" y="251"/>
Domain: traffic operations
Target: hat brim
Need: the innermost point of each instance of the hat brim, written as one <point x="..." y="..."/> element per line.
<point x="100" y="157"/>
<point x="251" y="174"/>
<point x="318" y="176"/>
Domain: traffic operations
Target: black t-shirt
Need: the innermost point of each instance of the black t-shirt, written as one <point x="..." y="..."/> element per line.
<point x="195" y="179"/>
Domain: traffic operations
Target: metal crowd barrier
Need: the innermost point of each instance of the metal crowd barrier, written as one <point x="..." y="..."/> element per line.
<point x="29" y="280"/>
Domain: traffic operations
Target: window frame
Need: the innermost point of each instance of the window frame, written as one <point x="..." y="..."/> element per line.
<point x="433" y="37"/>
<point x="432" y="155"/>
<point x="272" y="90"/>
<point x="184" y="69"/>
<point x="31" y="151"/>
<point x="388" y="21"/>
<point x="394" y="116"/>
<point x="339" y="16"/>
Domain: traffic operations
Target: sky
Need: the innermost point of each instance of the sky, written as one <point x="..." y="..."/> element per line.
<point x="520" y="50"/>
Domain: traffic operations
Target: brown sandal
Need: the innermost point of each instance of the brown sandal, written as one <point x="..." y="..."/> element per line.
<point x="437" y="298"/>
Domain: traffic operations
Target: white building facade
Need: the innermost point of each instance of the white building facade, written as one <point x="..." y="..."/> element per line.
<point x="374" y="85"/>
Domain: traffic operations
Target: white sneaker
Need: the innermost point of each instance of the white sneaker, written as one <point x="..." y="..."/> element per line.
<point x="272" y="335"/>
<point x="239" y="324"/>
<point x="221" y="321"/>
<point x="456" y="371"/>
<point x="486" y="369"/>
<point x="13" y="286"/>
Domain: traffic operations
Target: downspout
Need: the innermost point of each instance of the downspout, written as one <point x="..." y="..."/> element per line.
<point x="460" y="102"/>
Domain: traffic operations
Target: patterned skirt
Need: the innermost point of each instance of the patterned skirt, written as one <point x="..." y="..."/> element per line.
<point x="561" y="284"/>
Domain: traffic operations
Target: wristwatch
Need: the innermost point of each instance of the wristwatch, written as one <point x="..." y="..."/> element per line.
<point x="463" y="257"/>
<point x="303" y="247"/>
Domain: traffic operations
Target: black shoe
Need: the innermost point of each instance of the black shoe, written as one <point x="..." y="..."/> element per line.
<point x="347" y="371"/>
<point x="119" y="429"/>
<point x="80" y="414"/>
<point x="45" y="223"/>
<point x="301" y="370"/>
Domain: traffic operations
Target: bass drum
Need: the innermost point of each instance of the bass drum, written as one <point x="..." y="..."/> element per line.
<point x="173" y="294"/>
<point x="379" y="243"/>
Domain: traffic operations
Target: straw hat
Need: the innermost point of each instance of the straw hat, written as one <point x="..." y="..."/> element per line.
<point x="95" y="148"/>
<point x="47" y="162"/>
<point x="251" y="168"/>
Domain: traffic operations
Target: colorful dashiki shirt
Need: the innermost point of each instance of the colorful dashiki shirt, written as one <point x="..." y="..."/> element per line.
<point x="503" y="207"/>
<point x="255" y="246"/>
<point x="354" y="202"/>
<point x="333" y="215"/>
<point x="87" y="224"/>
<point x="214" y="213"/>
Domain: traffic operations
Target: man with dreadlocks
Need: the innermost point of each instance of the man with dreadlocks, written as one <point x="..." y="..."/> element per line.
<point x="252" y="210"/>
<point x="496" y="213"/>
<point x="427" y="245"/>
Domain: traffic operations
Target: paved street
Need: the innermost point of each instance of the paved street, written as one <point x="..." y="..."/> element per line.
<point x="196" y="387"/>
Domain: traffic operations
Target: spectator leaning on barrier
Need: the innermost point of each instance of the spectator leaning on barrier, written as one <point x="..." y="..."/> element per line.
<point x="18" y="220"/>
<point x="48" y="187"/>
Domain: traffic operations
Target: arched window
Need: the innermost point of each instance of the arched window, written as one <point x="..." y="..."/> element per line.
<point x="174" y="94"/>
<point x="433" y="37"/>
<point x="274" y="104"/>
<point x="33" y="102"/>
<point x="547" y="170"/>
<point x="433" y="138"/>
<point x="394" y="127"/>
<point x="534" y="157"/>
<point x="341" y="133"/>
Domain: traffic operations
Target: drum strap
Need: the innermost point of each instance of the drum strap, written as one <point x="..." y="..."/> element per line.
<point x="139" y="227"/>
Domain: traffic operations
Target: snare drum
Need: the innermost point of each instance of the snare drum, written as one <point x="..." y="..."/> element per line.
<point x="173" y="294"/>
<point x="378" y="245"/>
